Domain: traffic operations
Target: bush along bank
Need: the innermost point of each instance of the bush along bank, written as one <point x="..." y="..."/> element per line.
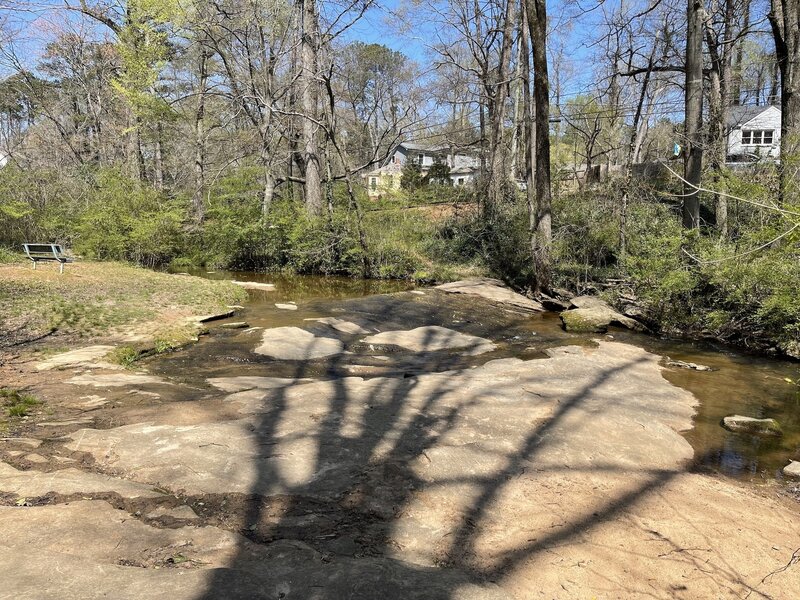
<point x="694" y="283"/>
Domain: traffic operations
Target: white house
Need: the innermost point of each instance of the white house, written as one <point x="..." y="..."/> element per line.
<point x="463" y="167"/>
<point x="754" y="133"/>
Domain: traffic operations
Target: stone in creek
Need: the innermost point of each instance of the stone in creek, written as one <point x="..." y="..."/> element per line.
<point x="255" y="285"/>
<point x="286" y="306"/>
<point x="763" y="427"/>
<point x="792" y="469"/>
<point x="81" y="356"/>
<point x="342" y="325"/>
<point x="592" y="315"/>
<point x="235" y="325"/>
<point x="431" y="338"/>
<point x="293" y="343"/>
<point x="212" y="316"/>
<point x="491" y="289"/>
<point x="688" y="365"/>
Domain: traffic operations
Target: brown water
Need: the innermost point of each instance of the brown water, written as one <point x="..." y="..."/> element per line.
<point x="739" y="384"/>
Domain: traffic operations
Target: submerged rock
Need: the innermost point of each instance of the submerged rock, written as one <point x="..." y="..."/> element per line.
<point x="764" y="427"/>
<point x="592" y="315"/>
<point x="255" y="285"/>
<point x="236" y="325"/>
<point x="342" y="325"/>
<point x="687" y="365"/>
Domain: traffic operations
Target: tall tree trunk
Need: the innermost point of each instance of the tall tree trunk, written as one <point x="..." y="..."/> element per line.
<point x="541" y="238"/>
<point x="718" y="89"/>
<point x="785" y="21"/>
<point x="309" y="46"/>
<point x="513" y="168"/>
<point x="738" y="57"/>
<point x="693" y="119"/>
<point x="198" y="206"/>
<point x="623" y="212"/>
<point x="158" y="159"/>
<point x="498" y="174"/>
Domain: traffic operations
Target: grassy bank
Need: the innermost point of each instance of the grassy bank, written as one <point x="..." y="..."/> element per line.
<point x="103" y="301"/>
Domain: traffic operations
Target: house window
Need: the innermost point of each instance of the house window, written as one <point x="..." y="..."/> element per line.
<point x="420" y="158"/>
<point x="373" y="183"/>
<point x="757" y="137"/>
<point x="460" y="181"/>
<point x="389" y="181"/>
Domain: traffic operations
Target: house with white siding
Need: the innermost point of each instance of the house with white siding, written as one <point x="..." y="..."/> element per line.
<point x="754" y="133"/>
<point x="464" y="167"/>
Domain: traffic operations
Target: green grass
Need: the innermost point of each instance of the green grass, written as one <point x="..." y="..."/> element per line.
<point x="102" y="300"/>
<point x="16" y="403"/>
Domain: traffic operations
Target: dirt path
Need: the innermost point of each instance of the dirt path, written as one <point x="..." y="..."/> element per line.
<point x="559" y="477"/>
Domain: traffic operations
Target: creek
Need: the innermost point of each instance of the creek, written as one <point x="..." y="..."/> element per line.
<point x="739" y="383"/>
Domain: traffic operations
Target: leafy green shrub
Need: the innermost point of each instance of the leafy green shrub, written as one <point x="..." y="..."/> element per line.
<point x="17" y="404"/>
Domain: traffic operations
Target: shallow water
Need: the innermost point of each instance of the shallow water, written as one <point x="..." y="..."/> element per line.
<point x="739" y="384"/>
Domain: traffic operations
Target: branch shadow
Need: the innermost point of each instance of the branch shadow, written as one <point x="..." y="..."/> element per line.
<point x="338" y="531"/>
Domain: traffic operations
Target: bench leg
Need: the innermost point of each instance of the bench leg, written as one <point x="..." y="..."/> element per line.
<point x="34" y="265"/>
<point x="61" y="267"/>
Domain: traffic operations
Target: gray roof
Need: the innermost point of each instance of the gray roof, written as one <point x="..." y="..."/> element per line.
<point x="432" y="149"/>
<point x="739" y="115"/>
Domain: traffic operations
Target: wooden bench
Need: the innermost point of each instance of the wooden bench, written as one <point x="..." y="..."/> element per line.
<point x="46" y="252"/>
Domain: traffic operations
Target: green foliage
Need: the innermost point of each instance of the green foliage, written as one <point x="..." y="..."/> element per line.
<point x="16" y="403"/>
<point x="127" y="221"/>
<point x="438" y="173"/>
<point x="411" y="177"/>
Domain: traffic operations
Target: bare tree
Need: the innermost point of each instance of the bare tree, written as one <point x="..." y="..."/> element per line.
<point x="693" y="114"/>
<point x="541" y="221"/>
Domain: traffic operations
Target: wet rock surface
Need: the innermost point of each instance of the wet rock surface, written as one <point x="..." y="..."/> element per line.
<point x="592" y="315"/>
<point x="493" y="290"/>
<point x="293" y="343"/>
<point x="434" y="474"/>
<point x="762" y="427"/>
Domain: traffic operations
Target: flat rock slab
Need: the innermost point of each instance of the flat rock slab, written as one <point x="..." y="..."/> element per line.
<point x="179" y="512"/>
<point x="93" y="529"/>
<point x="342" y="325"/>
<point x="255" y="285"/>
<point x="495" y="411"/>
<point x="73" y="358"/>
<point x="293" y="343"/>
<point x="244" y="382"/>
<point x="114" y="380"/>
<point x="213" y="316"/>
<point x="67" y="422"/>
<point x="284" y="306"/>
<point x="491" y="289"/>
<point x="236" y="325"/>
<point x="792" y="469"/>
<point x="431" y="338"/>
<point x="32" y="484"/>
<point x="22" y="441"/>
<point x="761" y="427"/>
